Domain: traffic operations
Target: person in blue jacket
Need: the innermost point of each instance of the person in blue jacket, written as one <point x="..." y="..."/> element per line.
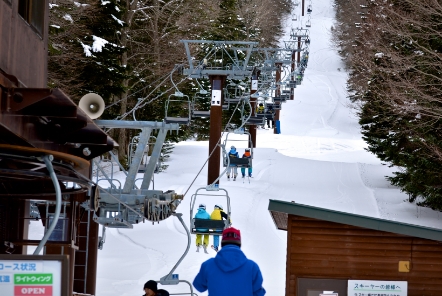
<point x="230" y="272"/>
<point x="232" y="155"/>
<point x="202" y="214"/>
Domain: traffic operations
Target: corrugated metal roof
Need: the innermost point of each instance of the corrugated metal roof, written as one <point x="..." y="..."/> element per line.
<point x="291" y="208"/>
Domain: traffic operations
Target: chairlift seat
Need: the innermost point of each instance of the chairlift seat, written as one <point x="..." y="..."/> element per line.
<point x="241" y="162"/>
<point x="208" y="226"/>
<point x="277" y="99"/>
<point x="232" y="100"/>
<point x="225" y="107"/>
<point x="253" y="120"/>
<point x="179" y="120"/>
<point x="198" y="113"/>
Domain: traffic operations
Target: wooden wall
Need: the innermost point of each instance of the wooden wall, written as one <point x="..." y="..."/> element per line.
<point x="321" y="249"/>
<point x="23" y="53"/>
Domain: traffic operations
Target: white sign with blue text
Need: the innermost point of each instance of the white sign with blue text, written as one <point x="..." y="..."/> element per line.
<point x="377" y="288"/>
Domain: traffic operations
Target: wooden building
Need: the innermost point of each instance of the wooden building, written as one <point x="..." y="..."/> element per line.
<point x="327" y="248"/>
<point x="46" y="145"/>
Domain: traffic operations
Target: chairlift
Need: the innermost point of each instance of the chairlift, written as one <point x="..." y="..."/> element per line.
<point x="202" y="95"/>
<point x="180" y="103"/>
<point x="239" y="162"/>
<point x="294" y="18"/>
<point x="309" y="8"/>
<point x="236" y="94"/>
<point x="308" y="24"/>
<point x="296" y="2"/>
<point x="208" y="226"/>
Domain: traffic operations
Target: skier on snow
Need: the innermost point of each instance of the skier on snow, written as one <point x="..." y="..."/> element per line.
<point x="230" y="272"/>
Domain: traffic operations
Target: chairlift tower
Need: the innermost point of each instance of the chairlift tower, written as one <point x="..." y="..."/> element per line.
<point x="221" y="60"/>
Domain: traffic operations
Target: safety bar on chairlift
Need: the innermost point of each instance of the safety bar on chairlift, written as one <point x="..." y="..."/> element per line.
<point x="168" y="279"/>
<point x="47" y="160"/>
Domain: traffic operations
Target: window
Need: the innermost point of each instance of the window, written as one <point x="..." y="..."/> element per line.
<point x="316" y="287"/>
<point x="33" y="12"/>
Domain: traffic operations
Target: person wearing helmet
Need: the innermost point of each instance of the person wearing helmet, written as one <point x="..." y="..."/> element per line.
<point x="243" y="169"/>
<point x="202" y="214"/>
<point x="232" y="155"/>
<point x="218" y="214"/>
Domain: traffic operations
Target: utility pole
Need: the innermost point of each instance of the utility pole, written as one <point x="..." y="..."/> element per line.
<point x="277" y="93"/>
<point x="253" y="89"/>
<point x="292" y="77"/>
<point x="217" y="82"/>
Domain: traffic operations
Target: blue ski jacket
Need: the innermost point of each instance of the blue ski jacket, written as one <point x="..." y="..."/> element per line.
<point x="233" y="154"/>
<point x="230" y="273"/>
<point x="202" y="214"/>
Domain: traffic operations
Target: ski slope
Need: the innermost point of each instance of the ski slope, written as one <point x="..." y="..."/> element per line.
<point x="318" y="159"/>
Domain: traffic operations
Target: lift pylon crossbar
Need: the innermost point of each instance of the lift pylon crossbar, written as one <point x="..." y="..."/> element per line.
<point x="238" y="68"/>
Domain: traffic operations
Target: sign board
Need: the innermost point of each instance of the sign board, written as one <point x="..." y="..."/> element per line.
<point x="46" y="275"/>
<point x="216" y="97"/>
<point x="377" y="288"/>
<point x="254" y="84"/>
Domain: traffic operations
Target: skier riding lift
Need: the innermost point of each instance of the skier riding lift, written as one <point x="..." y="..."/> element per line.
<point x="243" y="169"/>
<point x="232" y="155"/>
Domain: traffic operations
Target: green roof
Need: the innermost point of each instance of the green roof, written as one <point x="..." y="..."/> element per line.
<point x="355" y="220"/>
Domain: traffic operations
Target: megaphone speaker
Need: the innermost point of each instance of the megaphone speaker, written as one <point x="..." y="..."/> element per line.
<point x="92" y="104"/>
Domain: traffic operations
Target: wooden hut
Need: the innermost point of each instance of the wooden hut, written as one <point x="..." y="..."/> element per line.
<point x="42" y="130"/>
<point x="327" y="250"/>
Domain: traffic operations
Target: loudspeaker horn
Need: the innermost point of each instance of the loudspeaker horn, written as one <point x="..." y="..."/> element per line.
<point x="92" y="104"/>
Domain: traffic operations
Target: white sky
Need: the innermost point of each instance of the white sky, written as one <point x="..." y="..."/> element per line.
<point x="318" y="159"/>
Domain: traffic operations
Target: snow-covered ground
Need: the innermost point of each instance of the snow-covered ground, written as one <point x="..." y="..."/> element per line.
<point x="318" y="159"/>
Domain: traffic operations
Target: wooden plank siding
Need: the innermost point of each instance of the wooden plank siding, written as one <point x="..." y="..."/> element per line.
<point x="23" y="53"/>
<point x="329" y="250"/>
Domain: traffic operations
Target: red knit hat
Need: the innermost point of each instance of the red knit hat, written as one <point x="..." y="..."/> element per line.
<point x="231" y="236"/>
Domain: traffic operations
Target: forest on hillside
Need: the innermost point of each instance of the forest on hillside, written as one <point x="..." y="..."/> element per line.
<point x="393" y="53"/>
<point x="129" y="52"/>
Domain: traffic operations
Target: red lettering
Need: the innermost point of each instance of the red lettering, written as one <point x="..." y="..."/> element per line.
<point x="32" y="290"/>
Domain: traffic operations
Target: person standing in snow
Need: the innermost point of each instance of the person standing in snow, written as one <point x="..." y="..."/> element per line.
<point x="232" y="155"/>
<point x="243" y="169"/>
<point x="202" y="214"/>
<point x="230" y="272"/>
<point x="217" y="214"/>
